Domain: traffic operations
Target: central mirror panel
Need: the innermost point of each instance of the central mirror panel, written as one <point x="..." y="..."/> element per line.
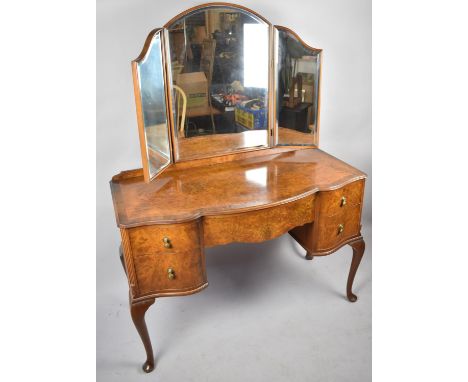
<point x="219" y="74"/>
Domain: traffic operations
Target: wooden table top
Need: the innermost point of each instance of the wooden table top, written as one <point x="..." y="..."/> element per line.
<point x="182" y="194"/>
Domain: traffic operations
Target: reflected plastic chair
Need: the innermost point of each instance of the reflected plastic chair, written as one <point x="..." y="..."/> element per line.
<point x="206" y="66"/>
<point x="180" y="100"/>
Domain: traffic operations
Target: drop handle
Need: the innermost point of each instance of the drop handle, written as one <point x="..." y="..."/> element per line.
<point x="170" y="274"/>
<point x="343" y="201"/>
<point x="340" y="228"/>
<point x="167" y="242"/>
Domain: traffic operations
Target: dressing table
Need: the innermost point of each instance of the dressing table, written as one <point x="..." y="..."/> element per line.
<point x="241" y="175"/>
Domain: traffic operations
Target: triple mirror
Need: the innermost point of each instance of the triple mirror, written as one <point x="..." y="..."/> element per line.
<point x="220" y="79"/>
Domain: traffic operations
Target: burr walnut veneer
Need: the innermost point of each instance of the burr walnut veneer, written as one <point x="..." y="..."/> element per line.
<point x="241" y="175"/>
<point x="167" y="223"/>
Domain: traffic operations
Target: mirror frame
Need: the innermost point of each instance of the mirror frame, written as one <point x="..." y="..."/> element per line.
<point x="139" y="108"/>
<point x="272" y="128"/>
<point x="269" y="130"/>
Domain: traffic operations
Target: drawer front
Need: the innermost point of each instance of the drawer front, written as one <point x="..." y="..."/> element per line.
<point x="337" y="201"/>
<point x="165" y="238"/>
<point x="333" y="230"/>
<point x="167" y="258"/>
<point x="169" y="272"/>
<point x="260" y="225"/>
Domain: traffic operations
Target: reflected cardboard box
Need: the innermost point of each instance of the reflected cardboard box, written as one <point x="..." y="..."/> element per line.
<point x="195" y="87"/>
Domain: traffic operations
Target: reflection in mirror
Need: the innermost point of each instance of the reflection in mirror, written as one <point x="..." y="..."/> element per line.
<point x="153" y="107"/>
<point x="297" y="84"/>
<point x="219" y="65"/>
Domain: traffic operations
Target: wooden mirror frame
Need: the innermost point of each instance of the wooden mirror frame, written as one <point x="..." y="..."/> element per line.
<point x="272" y="127"/>
<point x="139" y="107"/>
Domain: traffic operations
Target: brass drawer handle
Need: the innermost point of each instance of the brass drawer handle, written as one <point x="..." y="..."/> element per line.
<point x="343" y="201"/>
<point x="167" y="242"/>
<point x="170" y="274"/>
<point x="340" y="228"/>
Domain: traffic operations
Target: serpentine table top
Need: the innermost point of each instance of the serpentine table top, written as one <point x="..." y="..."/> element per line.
<point x="181" y="194"/>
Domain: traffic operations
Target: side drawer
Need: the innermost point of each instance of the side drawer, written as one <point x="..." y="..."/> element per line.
<point x="169" y="272"/>
<point x="337" y="201"/>
<point x="330" y="231"/>
<point x="166" y="267"/>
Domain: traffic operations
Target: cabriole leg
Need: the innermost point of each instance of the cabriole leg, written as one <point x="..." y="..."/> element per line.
<point x="358" y="250"/>
<point x="138" y="310"/>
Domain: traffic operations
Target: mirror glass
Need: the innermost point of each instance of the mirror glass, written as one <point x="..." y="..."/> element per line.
<point x="153" y="107"/>
<point x="297" y="84"/>
<point x="219" y="69"/>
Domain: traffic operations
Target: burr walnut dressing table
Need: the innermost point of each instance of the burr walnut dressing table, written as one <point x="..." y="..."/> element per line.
<point x="245" y="169"/>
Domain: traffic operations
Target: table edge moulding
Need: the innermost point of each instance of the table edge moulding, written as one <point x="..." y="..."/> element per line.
<point x="168" y="218"/>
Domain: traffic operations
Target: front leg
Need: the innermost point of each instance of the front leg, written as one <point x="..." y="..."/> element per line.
<point x="138" y="310"/>
<point x="358" y="250"/>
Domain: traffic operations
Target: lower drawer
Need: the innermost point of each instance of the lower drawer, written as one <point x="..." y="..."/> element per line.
<point x="172" y="272"/>
<point x="331" y="231"/>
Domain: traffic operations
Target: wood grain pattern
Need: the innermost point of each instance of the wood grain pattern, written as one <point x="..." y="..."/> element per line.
<point x="323" y="236"/>
<point x="129" y="265"/>
<point x="331" y="201"/>
<point x="152" y="272"/>
<point x="291" y="135"/>
<point x="232" y="187"/>
<point x="235" y="156"/>
<point x="152" y="260"/>
<point x="260" y="225"/>
<point x="328" y="236"/>
<point x="150" y="239"/>
<point x="220" y="144"/>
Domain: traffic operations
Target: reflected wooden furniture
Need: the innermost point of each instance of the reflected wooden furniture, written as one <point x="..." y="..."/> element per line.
<point x="250" y="187"/>
<point x="206" y="66"/>
<point x="297" y="117"/>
